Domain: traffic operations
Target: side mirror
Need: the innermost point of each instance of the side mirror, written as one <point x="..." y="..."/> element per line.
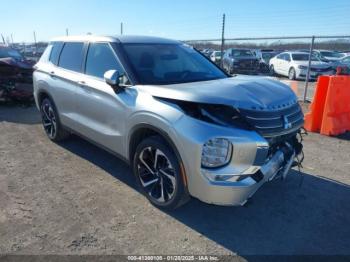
<point x="112" y="78"/>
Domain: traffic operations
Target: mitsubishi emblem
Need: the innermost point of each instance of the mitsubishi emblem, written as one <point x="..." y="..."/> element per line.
<point x="286" y="123"/>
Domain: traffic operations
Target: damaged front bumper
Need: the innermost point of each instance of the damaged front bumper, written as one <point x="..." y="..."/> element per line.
<point x="237" y="192"/>
<point x="254" y="161"/>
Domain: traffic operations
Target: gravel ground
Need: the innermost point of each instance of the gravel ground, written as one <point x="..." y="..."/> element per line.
<point x="74" y="198"/>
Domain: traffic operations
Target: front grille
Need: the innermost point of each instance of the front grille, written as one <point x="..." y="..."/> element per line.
<point x="248" y="64"/>
<point x="275" y="123"/>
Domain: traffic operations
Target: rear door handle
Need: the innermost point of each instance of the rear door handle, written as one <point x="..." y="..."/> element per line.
<point x="52" y="73"/>
<point x="81" y="83"/>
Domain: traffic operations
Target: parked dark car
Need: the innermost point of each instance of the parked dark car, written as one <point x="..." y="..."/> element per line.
<point x="264" y="56"/>
<point x="14" y="69"/>
<point x="241" y="61"/>
<point x="328" y="55"/>
<point x="344" y="62"/>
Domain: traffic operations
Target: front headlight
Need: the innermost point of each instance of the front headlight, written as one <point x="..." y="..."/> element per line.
<point x="302" y="67"/>
<point x="216" y="152"/>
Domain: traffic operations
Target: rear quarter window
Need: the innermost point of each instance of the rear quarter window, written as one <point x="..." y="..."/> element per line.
<point x="55" y="52"/>
<point x="71" y="56"/>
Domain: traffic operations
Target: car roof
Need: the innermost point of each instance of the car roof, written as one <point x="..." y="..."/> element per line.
<point x="297" y="52"/>
<point x="132" y="39"/>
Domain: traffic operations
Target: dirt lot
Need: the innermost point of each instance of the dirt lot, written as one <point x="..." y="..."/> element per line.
<point x="74" y="198"/>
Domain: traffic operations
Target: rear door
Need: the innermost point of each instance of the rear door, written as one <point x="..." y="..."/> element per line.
<point x="102" y="112"/>
<point x="279" y="63"/>
<point x="67" y="59"/>
<point x="285" y="64"/>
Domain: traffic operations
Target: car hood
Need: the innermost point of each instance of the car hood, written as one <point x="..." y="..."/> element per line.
<point x="330" y="58"/>
<point x="246" y="92"/>
<point x="23" y="64"/>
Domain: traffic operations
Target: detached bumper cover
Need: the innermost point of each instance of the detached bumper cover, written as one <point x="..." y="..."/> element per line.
<point x="237" y="193"/>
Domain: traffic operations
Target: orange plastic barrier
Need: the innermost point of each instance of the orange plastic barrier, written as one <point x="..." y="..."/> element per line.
<point x="330" y="109"/>
<point x="313" y="119"/>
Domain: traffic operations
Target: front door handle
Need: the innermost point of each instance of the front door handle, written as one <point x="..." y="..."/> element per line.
<point x="81" y="83"/>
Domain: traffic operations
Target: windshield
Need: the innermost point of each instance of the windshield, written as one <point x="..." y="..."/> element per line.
<point x="8" y="52"/>
<point x="331" y="54"/>
<point x="163" y="64"/>
<point x="241" y="52"/>
<point x="218" y="54"/>
<point x="304" y="57"/>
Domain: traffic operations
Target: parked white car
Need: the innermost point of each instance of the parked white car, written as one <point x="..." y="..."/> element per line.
<point x="215" y="56"/>
<point x="294" y="65"/>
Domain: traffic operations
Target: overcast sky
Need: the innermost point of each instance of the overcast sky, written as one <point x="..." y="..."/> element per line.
<point x="179" y="19"/>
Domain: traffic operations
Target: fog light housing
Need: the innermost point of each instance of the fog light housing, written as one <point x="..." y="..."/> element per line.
<point x="216" y="152"/>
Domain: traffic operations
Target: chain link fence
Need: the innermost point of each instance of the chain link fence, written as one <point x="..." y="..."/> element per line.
<point x="326" y="49"/>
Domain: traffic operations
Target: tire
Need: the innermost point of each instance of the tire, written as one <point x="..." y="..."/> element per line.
<point x="230" y="70"/>
<point x="158" y="174"/>
<point x="272" y="70"/>
<point x="291" y="74"/>
<point x="51" y="122"/>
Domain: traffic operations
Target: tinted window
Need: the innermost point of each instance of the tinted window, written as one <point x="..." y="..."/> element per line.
<point x="170" y="64"/>
<point x="71" y="56"/>
<point x="241" y="52"/>
<point x="280" y="56"/>
<point x="331" y="54"/>
<point x="286" y="57"/>
<point x="303" y="57"/>
<point x="100" y="59"/>
<point x="55" y="52"/>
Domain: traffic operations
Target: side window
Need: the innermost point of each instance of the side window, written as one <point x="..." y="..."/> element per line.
<point x="287" y="57"/>
<point x="71" y="56"/>
<point x="280" y="56"/>
<point x="55" y="52"/>
<point x="101" y="58"/>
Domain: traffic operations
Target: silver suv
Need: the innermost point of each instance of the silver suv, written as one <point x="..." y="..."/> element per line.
<point x="185" y="127"/>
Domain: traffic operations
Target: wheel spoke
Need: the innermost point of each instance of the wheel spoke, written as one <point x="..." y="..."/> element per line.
<point x="171" y="177"/>
<point x="145" y="164"/>
<point x="157" y="154"/>
<point x="45" y="113"/>
<point x="161" y="198"/>
<point x="148" y="183"/>
<point x="51" y="131"/>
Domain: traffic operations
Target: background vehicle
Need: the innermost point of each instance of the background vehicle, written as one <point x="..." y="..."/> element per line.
<point x="345" y="61"/>
<point x="184" y="126"/>
<point x="15" y="70"/>
<point x="215" y="56"/>
<point x="327" y="55"/>
<point x="240" y="61"/>
<point x="294" y="65"/>
<point x="264" y="56"/>
<point x="207" y="52"/>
